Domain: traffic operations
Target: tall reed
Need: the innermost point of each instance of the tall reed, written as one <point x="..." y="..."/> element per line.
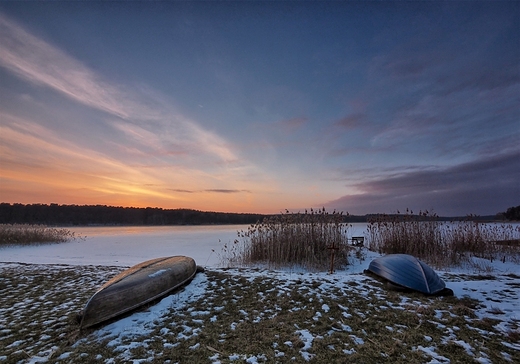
<point x="24" y="234"/>
<point x="442" y="243"/>
<point x="306" y="240"/>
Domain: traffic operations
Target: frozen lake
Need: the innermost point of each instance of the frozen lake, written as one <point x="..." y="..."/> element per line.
<point x="130" y="245"/>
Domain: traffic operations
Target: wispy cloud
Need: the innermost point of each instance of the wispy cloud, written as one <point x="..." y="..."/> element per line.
<point x="396" y="113"/>
<point x="37" y="159"/>
<point x="145" y="144"/>
<point x="220" y="190"/>
<point x="41" y="63"/>
<point x="29" y="145"/>
<point x="289" y="125"/>
<point x="351" y="121"/>
<point x="214" y="190"/>
<point x="447" y="94"/>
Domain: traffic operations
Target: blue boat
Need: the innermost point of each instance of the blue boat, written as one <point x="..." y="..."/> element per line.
<point x="409" y="272"/>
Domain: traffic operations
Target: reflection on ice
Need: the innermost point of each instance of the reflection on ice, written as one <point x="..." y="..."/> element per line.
<point x="130" y="245"/>
<point x="127" y="246"/>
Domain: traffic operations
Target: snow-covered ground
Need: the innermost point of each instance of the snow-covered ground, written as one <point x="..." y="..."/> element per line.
<point x="499" y="296"/>
<point x="495" y="284"/>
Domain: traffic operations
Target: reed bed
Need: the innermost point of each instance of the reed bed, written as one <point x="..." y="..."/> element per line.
<point x="24" y="234"/>
<point x="443" y="243"/>
<point x="315" y="240"/>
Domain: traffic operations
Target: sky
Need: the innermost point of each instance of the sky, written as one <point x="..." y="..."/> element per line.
<point x="361" y="107"/>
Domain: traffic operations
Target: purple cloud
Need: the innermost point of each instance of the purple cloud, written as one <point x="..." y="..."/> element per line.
<point x="479" y="187"/>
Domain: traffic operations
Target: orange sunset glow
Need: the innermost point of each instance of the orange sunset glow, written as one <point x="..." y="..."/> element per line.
<point x="261" y="107"/>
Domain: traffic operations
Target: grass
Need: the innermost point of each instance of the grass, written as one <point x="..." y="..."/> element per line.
<point x="440" y="243"/>
<point x="318" y="241"/>
<point x="23" y="234"/>
<point x="315" y="240"/>
<point x="243" y="314"/>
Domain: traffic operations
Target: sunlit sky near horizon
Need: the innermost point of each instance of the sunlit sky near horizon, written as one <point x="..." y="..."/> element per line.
<point x="361" y="107"/>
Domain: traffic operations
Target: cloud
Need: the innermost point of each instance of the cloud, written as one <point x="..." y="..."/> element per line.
<point x="212" y="143"/>
<point x="289" y="125"/>
<point x="179" y="190"/>
<point x="41" y="63"/>
<point x="471" y="48"/>
<point x="138" y="134"/>
<point x="485" y="186"/>
<point x="27" y="143"/>
<point x="227" y="191"/>
<point x="351" y="121"/>
<point x="449" y="80"/>
<point x="460" y="123"/>
<point x="128" y="146"/>
<point x="215" y="190"/>
<point x="39" y="165"/>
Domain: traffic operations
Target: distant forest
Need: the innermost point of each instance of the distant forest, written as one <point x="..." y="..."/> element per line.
<point x="67" y="215"/>
<point x="77" y="215"/>
<point x="513" y="213"/>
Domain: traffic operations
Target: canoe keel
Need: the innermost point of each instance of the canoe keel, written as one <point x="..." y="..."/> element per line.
<point x="137" y="286"/>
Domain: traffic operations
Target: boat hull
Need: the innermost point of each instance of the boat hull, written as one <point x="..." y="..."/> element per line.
<point x="137" y="286"/>
<point x="409" y="272"/>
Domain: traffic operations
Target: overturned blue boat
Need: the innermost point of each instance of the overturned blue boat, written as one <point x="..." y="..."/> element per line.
<point x="407" y="271"/>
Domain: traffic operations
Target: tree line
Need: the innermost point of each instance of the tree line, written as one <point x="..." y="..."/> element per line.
<point x="512" y="213"/>
<point x="77" y="215"/>
<point x="69" y="215"/>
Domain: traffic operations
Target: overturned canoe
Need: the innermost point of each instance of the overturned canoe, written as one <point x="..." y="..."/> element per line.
<point x="137" y="286"/>
<point x="409" y="272"/>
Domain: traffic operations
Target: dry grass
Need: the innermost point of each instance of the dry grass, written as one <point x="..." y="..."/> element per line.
<point x="243" y="314"/>
<point x="440" y="243"/>
<point x="318" y="240"/>
<point x="23" y="234"/>
<point x="315" y="240"/>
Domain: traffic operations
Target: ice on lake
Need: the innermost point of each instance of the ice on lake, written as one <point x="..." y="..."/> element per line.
<point x="130" y="245"/>
<point x="127" y="246"/>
